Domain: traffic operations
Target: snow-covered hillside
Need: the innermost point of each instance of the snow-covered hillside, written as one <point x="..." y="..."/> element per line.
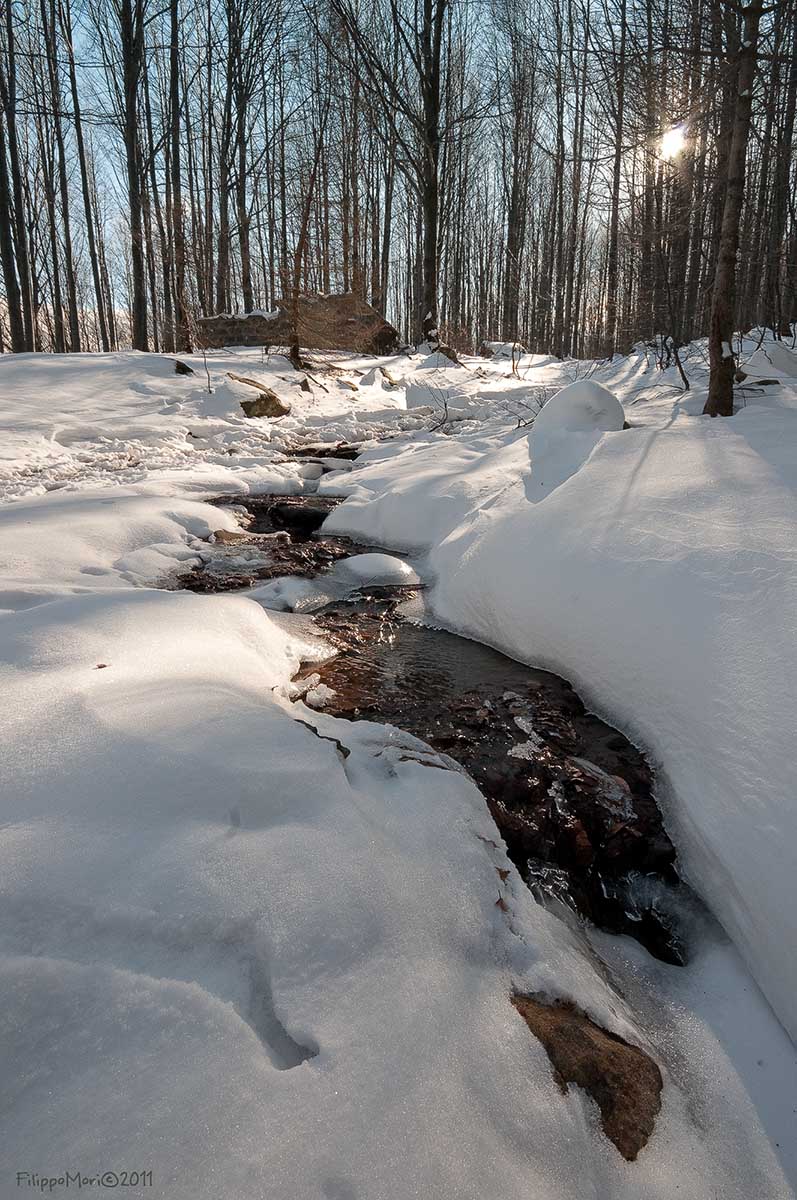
<point x="257" y="966"/>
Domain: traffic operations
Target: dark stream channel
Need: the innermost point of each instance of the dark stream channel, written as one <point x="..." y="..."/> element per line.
<point x="573" y="798"/>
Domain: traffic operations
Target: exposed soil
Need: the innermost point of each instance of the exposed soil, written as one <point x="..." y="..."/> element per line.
<point x="623" y="1081"/>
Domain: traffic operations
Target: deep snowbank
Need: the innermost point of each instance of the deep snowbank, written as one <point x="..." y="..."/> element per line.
<point x="657" y="569"/>
<point x="231" y="955"/>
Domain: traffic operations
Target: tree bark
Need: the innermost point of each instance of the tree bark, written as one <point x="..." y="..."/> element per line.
<point x="721" y="358"/>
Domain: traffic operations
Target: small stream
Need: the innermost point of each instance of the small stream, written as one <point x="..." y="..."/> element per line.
<point x="573" y="798"/>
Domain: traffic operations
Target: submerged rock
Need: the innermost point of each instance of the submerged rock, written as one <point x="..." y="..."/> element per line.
<point x="305" y="517"/>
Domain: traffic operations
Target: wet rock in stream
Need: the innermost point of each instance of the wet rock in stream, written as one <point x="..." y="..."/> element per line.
<point x="278" y="540"/>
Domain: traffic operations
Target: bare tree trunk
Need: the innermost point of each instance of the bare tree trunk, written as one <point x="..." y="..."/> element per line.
<point x="13" y="297"/>
<point x="614" y="221"/>
<point x="178" y="223"/>
<point x="50" y="37"/>
<point x="66" y="28"/>
<point x="720" y="345"/>
<point x="8" y="103"/>
<point x="131" y="21"/>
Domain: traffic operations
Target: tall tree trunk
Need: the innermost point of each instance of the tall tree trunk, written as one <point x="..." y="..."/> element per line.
<point x="614" y="220"/>
<point x="50" y="36"/>
<point x="178" y="220"/>
<point x="66" y="28"/>
<point x="13" y="297"/>
<point x="720" y="344"/>
<point x="131" y="19"/>
<point x="8" y="102"/>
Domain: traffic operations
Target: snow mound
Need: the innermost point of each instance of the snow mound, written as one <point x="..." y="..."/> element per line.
<point x="288" y="593"/>
<point x="584" y="405"/>
<point x="769" y="360"/>
<point x="378" y="568"/>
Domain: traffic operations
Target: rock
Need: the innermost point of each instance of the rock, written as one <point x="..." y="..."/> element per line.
<point x="623" y="1080"/>
<point x="335" y="322"/>
<point x="228" y="537"/>
<point x="341" y="450"/>
<point x="265" y="404"/>
<point x="181" y="368"/>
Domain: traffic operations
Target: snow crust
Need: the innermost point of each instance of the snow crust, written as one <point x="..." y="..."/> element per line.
<point x="233" y="953"/>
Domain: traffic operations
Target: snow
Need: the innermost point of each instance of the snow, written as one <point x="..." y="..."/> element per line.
<point x="656" y="568"/>
<point x="584" y="405"/>
<point x="378" y="568"/>
<point x="773" y="360"/>
<point x="258" y="950"/>
<point x="503" y="349"/>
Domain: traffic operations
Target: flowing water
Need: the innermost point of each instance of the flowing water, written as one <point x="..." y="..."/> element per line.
<point x="573" y="798"/>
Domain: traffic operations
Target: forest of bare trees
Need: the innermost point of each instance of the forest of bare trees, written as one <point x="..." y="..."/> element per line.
<point x="575" y="174"/>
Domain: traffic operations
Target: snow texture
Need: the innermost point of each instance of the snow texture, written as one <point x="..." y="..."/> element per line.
<point x="259" y="951"/>
<point x="584" y="405"/>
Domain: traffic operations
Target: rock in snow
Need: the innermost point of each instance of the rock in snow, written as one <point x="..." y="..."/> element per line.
<point x="623" y="1081"/>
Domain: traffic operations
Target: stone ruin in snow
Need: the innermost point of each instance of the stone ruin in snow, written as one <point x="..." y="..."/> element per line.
<point x="340" y="322"/>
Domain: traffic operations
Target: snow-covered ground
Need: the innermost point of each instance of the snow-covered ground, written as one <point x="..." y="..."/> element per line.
<point x="237" y="957"/>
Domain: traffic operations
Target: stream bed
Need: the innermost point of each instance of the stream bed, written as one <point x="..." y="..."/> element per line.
<point x="572" y="796"/>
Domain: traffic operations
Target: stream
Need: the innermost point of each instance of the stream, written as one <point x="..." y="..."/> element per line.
<point x="572" y="797"/>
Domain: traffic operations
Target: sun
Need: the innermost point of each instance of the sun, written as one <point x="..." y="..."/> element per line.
<point x="673" y="142"/>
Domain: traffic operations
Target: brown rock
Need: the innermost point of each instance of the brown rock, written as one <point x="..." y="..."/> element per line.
<point x="181" y="368"/>
<point x="341" y="322"/>
<point x="623" y="1081"/>
<point x="228" y="537"/>
<point x="265" y="404"/>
